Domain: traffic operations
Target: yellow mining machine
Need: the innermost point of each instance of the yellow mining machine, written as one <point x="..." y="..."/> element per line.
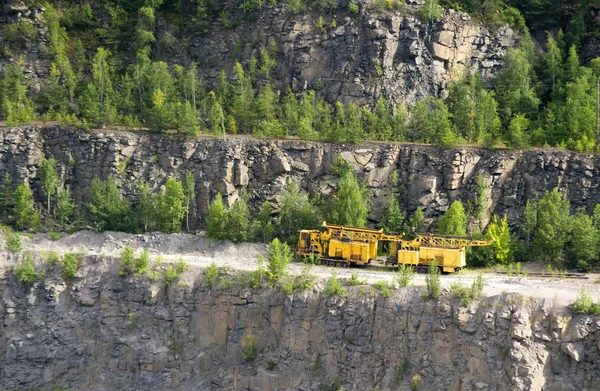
<point x="447" y="251"/>
<point x="344" y="246"/>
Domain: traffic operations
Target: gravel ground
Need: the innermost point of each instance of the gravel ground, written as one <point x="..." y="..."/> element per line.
<point x="200" y="251"/>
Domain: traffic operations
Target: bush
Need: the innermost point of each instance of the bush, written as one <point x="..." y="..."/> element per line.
<point x="334" y="287"/>
<point x="304" y="281"/>
<point x="26" y="272"/>
<point x="280" y="257"/>
<point x="432" y="281"/>
<point x="354" y="280"/>
<point x="250" y="348"/>
<point x="212" y="273"/>
<point x="70" y="265"/>
<point x="385" y="288"/>
<point x="13" y="242"/>
<point x="127" y="262"/>
<point x="142" y="262"/>
<point x="585" y="304"/>
<point x="52" y="257"/>
<point x="467" y="294"/>
<point x="175" y="271"/>
<point x="405" y="275"/>
<point x="256" y="278"/>
<point x="55" y="235"/>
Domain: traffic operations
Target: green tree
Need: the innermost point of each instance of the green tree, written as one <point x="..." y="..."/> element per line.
<point x="216" y="218"/>
<point x="262" y="225"/>
<point x="64" y="207"/>
<point x="554" y="62"/>
<point x="350" y="207"/>
<point x="431" y="10"/>
<point x="216" y="116"/>
<point x="6" y="198"/>
<point x="109" y="210"/>
<point x="553" y="226"/>
<point x="97" y="103"/>
<point x="162" y="116"/>
<point x="58" y="38"/>
<point x="500" y="232"/>
<point x="430" y="123"/>
<point x="416" y="223"/>
<point x="189" y="189"/>
<point x="595" y="216"/>
<point x="478" y="205"/>
<point x="296" y="213"/>
<point x="15" y="107"/>
<point x="187" y="119"/>
<point x="145" y="206"/>
<point x="278" y="260"/>
<point x="530" y="219"/>
<point x="454" y="221"/>
<point x="582" y="248"/>
<point x="394" y="217"/>
<point x="26" y="217"/>
<point x="514" y="92"/>
<point x="170" y="206"/>
<point x="49" y="176"/>
<point x="516" y="133"/>
<point x="238" y="220"/>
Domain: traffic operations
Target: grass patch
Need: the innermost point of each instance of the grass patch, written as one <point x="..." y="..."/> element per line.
<point x="385" y="288"/>
<point x="355" y="281"/>
<point x="433" y="282"/>
<point x="405" y="275"/>
<point x="334" y="287"/>
<point x="305" y="281"/>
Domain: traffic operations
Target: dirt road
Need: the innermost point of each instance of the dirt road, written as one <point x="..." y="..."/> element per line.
<point x="200" y="251"/>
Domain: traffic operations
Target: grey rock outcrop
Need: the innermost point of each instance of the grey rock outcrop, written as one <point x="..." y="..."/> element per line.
<point x="99" y="331"/>
<point x="391" y="54"/>
<point x="420" y="175"/>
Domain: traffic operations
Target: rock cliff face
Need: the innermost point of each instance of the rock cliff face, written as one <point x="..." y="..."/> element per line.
<point x="349" y="58"/>
<point x="99" y="331"/>
<point x="420" y="175"/>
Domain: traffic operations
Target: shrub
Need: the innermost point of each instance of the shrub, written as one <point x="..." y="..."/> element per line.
<point x="385" y="288"/>
<point x="175" y="271"/>
<point x="405" y="275"/>
<point x="256" y="278"/>
<point x="55" y="235"/>
<point x="353" y="8"/>
<point x="585" y="304"/>
<point x="334" y="287"/>
<point x="432" y="281"/>
<point x="13" y="242"/>
<point x="127" y="262"/>
<point x="250" y="347"/>
<point x="354" y="280"/>
<point x="70" y="265"/>
<point x="279" y="259"/>
<point x="304" y="281"/>
<point x="142" y="262"/>
<point x="212" y="273"/>
<point x="52" y="258"/>
<point x="26" y="271"/>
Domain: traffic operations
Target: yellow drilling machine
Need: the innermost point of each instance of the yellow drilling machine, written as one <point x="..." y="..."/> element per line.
<point x="338" y="245"/>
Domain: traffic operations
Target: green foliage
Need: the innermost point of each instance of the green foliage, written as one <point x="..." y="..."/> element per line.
<point x="7" y="198"/>
<point x="430" y="123"/>
<point x="431" y="10"/>
<point x="406" y="274"/>
<point x="15" y="106"/>
<point x="130" y="265"/>
<point x="26" y="217"/>
<point x="170" y="206"/>
<point x="477" y="207"/>
<point x="49" y="176"/>
<point x="417" y="221"/>
<point x="585" y="304"/>
<point x="69" y="265"/>
<point x="173" y="272"/>
<point x="64" y="207"/>
<point x="304" y="281"/>
<point x="238" y="220"/>
<point x="257" y="276"/>
<point x="385" y="288"/>
<point x="334" y="287"/>
<point x="250" y="347"/>
<point x="212" y="273"/>
<point x="26" y="272"/>
<point x="13" y="242"/>
<point x="454" y="221"/>
<point x="278" y="260"/>
<point x="296" y="213"/>
<point x="355" y="281"/>
<point x="582" y="249"/>
<point x="189" y="190"/>
<point x="394" y="217"/>
<point x="216" y="218"/>
<point x="109" y="210"/>
<point x="350" y="207"/>
<point x="500" y="232"/>
<point x="433" y="282"/>
<point x="553" y="226"/>
<point x="20" y="34"/>
<point x="262" y="225"/>
<point x="52" y="258"/>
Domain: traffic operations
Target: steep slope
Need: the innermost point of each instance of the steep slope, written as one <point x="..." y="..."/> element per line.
<point x="426" y="176"/>
<point x="99" y="331"/>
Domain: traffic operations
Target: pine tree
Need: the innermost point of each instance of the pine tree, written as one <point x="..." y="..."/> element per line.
<point x="64" y="207"/>
<point x="350" y="207"/>
<point x="145" y="206"/>
<point x="216" y="116"/>
<point x="454" y="221"/>
<point x="170" y="207"/>
<point x="262" y="225"/>
<point x="49" y="176"/>
<point x="216" y="218"/>
<point x="6" y="198"/>
<point x="529" y="224"/>
<point x="15" y="106"/>
<point x="553" y="225"/>
<point x="238" y="220"/>
<point x="394" y="217"/>
<point x="108" y="209"/>
<point x="583" y="245"/>
<point x="97" y="104"/>
<point x="189" y="189"/>
<point x="26" y="217"/>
